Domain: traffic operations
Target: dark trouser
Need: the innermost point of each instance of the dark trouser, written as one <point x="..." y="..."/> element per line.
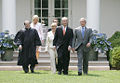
<point x="26" y="69"/>
<point x="82" y="60"/>
<point x="63" y="60"/>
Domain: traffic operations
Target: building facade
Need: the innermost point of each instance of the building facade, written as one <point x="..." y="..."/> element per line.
<point x="102" y="15"/>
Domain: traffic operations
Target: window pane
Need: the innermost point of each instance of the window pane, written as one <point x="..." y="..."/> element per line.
<point x="64" y="13"/>
<point x="64" y="3"/>
<point x="37" y="3"/>
<point x="44" y="3"/>
<point x="57" y="13"/>
<point x="45" y="13"/>
<point x="57" y="3"/>
<point x="38" y="12"/>
<point x="40" y="20"/>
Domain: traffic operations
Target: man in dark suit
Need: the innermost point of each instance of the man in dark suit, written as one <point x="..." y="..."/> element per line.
<point x="63" y="43"/>
<point x="81" y="43"/>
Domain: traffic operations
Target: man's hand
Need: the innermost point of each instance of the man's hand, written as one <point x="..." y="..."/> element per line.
<point x="20" y="47"/>
<point x="69" y="48"/>
<point x="88" y="45"/>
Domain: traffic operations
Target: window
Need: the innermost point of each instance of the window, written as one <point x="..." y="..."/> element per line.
<point x="61" y="9"/>
<point x="41" y="9"/>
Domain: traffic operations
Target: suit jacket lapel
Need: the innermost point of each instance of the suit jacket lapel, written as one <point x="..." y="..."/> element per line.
<point x="85" y="32"/>
<point x="81" y="32"/>
<point x="61" y="31"/>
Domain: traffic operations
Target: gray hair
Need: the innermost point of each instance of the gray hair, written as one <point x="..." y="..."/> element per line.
<point x="83" y="19"/>
<point x="64" y="18"/>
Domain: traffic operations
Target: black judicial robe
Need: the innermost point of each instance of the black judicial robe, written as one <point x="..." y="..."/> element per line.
<point x="29" y="39"/>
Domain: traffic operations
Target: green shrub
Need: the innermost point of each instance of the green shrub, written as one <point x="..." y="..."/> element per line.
<point x="115" y="39"/>
<point x="115" y="57"/>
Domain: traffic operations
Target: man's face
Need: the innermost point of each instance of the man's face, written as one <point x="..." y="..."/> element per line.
<point x="64" y="22"/>
<point x="55" y="21"/>
<point x="82" y="23"/>
<point x="27" y="25"/>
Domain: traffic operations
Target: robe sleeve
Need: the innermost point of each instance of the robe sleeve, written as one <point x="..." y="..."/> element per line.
<point x="18" y="37"/>
<point x="37" y="39"/>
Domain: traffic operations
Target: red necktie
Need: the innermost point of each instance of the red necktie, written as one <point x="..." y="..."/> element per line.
<point x="64" y="31"/>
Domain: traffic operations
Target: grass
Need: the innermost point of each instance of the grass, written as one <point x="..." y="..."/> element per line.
<point x="47" y="77"/>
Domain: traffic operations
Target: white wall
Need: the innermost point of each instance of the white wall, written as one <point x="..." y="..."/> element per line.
<point x="0" y="15"/>
<point x="110" y="16"/>
<point x="23" y="12"/>
<point x="78" y="11"/>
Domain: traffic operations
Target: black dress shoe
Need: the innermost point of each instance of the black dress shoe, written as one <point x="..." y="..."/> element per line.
<point x="32" y="71"/>
<point x="79" y="73"/>
<point x="65" y="73"/>
<point x="26" y="71"/>
<point x="59" y="73"/>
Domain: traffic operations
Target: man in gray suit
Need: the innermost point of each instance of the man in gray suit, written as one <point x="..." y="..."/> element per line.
<point x="81" y="43"/>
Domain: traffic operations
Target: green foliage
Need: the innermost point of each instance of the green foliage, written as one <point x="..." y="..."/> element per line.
<point x="115" y="53"/>
<point x="115" y="57"/>
<point x="115" y="39"/>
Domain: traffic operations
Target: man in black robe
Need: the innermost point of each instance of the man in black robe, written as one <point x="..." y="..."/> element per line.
<point x="28" y="42"/>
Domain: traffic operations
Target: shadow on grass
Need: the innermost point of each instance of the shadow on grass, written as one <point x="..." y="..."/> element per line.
<point x="35" y="73"/>
<point x="94" y="75"/>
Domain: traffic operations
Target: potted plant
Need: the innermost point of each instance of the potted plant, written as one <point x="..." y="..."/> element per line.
<point x="6" y="46"/>
<point x="100" y="43"/>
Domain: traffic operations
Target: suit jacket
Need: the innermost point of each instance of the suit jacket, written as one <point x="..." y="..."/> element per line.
<point x="78" y="40"/>
<point x="63" y="40"/>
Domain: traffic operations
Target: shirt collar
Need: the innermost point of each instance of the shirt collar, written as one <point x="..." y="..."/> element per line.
<point x="63" y="26"/>
<point x="82" y="27"/>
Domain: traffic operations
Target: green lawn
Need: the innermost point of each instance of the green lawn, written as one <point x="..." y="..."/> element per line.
<point x="47" y="77"/>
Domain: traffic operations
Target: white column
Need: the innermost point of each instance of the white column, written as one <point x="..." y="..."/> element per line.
<point x="93" y="14"/>
<point x="9" y="15"/>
